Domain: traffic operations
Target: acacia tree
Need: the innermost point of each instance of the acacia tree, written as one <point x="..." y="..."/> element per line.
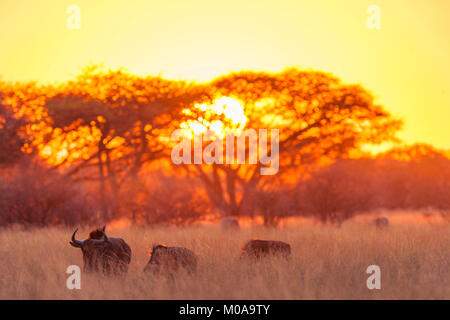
<point x="318" y="118"/>
<point x="23" y="119"/>
<point x="415" y="177"/>
<point x="116" y="122"/>
<point x="336" y="192"/>
<point x="11" y="141"/>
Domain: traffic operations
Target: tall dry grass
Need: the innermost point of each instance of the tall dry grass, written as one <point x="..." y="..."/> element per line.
<point x="326" y="263"/>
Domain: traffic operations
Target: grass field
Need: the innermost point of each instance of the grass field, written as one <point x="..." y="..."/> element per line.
<point x="326" y="263"/>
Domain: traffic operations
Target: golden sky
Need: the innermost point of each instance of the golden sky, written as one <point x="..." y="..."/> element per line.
<point x="405" y="64"/>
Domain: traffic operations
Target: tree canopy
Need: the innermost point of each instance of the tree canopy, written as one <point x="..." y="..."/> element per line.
<point x="109" y="129"/>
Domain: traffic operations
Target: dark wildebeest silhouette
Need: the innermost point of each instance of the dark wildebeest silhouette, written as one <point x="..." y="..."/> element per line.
<point x="262" y="248"/>
<point x="229" y="223"/>
<point x="381" y="223"/>
<point x="102" y="253"/>
<point x="169" y="260"/>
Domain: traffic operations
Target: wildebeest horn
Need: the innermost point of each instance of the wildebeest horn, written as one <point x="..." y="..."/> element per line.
<point x="104" y="228"/>
<point x="76" y="243"/>
<point x="105" y="237"/>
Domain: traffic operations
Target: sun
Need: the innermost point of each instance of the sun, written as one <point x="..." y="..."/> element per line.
<point x="231" y="108"/>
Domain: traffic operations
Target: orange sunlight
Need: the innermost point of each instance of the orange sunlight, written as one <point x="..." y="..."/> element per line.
<point x="231" y="108"/>
<point x="404" y="63"/>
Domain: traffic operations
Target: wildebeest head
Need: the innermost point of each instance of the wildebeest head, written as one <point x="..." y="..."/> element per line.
<point x="93" y="248"/>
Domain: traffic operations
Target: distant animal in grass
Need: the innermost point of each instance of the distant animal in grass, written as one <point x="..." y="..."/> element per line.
<point x="229" y="223"/>
<point x="169" y="260"/>
<point x="264" y="248"/>
<point x="381" y="223"/>
<point x="427" y="215"/>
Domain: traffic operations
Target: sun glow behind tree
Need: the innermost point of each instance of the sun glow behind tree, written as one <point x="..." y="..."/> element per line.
<point x="230" y="108"/>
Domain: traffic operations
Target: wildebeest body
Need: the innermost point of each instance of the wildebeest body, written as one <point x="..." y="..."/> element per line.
<point x="381" y="222"/>
<point x="262" y="248"/>
<point x="171" y="259"/>
<point x="103" y="254"/>
<point x="229" y="223"/>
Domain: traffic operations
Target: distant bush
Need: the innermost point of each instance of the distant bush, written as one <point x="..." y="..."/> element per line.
<point x="164" y="199"/>
<point x="337" y="192"/>
<point x="31" y="196"/>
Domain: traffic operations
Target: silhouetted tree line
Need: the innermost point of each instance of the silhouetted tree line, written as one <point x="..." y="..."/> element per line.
<point x="98" y="148"/>
<point x="416" y="177"/>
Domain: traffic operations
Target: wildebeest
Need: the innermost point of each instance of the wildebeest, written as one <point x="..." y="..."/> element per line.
<point x="262" y="248"/>
<point x="427" y="215"/>
<point x="169" y="260"/>
<point x="381" y="222"/>
<point x="102" y="253"/>
<point x="229" y="223"/>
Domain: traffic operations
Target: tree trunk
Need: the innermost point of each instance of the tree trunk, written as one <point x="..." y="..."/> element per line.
<point x="233" y="209"/>
<point x="102" y="185"/>
<point x="115" y="188"/>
